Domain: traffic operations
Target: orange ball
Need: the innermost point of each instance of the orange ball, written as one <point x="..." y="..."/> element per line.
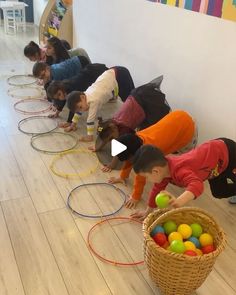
<point x="199" y="252"/>
<point x="206" y="239"/>
<point x="175" y="236"/>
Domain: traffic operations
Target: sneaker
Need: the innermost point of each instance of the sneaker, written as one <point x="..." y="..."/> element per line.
<point x="232" y="200"/>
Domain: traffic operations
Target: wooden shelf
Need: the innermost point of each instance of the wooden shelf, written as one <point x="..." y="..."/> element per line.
<point x="65" y="30"/>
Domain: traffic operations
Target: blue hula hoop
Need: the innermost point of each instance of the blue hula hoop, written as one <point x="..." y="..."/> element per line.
<point x="122" y="194"/>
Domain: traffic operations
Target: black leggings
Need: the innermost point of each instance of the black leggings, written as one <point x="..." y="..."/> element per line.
<point x="220" y="187"/>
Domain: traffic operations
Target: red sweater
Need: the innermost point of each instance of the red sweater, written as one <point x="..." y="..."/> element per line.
<point x="190" y="170"/>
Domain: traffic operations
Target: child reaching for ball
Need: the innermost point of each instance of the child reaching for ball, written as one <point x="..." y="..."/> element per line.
<point x="176" y="132"/>
<point x="214" y="161"/>
<point x="145" y="106"/>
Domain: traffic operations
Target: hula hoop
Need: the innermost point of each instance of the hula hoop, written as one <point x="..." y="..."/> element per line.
<point x="32" y="112"/>
<point x="10" y="82"/>
<point x="21" y="122"/>
<point x="122" y="194"/>
<point x="106" y="259"/>
<point x="13" y="92"/>
<point x="73" y="175"/>
<point x="35" y="137"/>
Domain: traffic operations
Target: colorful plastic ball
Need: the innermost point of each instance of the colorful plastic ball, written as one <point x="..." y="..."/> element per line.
<point x="157" y="229"/>
<point x="162" y="200"/>
<point x="199" y="252"/>
<point x="208" y="249"/>
<point x="160" y="239"/>
<point x="205" y="239"/>
<point x="169" y="227"/>
<point x="175" y="236"/>
<point x="189" y="245"/>
<point x="185" y="230"/>
<point x="196" y="230"/>
<point x="195" y="241"/>
<point x="177" y="247"/>
<point x="190" y="253"/>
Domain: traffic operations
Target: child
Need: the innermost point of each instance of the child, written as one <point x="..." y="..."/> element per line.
<point x="55" y="51"/>
<point x="34" y="53"/>
<point x="58" y="90"/>
<point x="174" y="133"/>
<point x="61" y="71"/>
<point x="214" y="161"/>
<point x="108" y="85"/>
<point x="145" y="106"/>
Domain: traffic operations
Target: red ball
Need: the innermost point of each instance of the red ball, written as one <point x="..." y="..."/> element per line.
<point x="190" y="253"/>
<point x="160" y="239"/>
<point x="208" y="249"/>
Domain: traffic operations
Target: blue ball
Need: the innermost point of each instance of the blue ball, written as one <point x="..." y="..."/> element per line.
<point x="157" y="229"/>
<point x="195" y="241"/>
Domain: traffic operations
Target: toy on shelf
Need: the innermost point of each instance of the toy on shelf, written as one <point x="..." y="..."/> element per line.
<point x="56" y="21"/>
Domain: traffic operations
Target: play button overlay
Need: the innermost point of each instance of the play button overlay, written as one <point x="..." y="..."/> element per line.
<point x="104" y="154"/>
<point x="117" y="147"/>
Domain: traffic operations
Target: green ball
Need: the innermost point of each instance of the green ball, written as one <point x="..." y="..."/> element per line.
<point x="196" y="230"/>
<point x="169" y="227"/>
<point x="177" y="246"/>
<point x="162" y="200"/>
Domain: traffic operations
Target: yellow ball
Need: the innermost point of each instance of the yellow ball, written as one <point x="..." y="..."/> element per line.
<point x="199" y="252"/>
<point x="206" y="239"/>
<point x="190" y="246"/>
<point x="185" y="230"/>
<point x="175" y="236"/>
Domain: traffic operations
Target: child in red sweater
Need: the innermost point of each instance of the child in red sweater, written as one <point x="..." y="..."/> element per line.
<point x="214" y="161"/>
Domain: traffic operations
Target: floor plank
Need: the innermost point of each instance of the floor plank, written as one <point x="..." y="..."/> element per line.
<point x="72" y="254"/>
<point x="37" y="266"/>
<point x="10" y="282"/>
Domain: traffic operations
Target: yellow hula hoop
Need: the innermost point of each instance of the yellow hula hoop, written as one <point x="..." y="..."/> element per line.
<point x="74" y="175"/>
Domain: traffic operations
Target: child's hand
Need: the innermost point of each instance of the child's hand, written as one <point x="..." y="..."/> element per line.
<point x="183" y="199"/>
<point x="141" y="214"/>
<point x="113" y="180"/>
<point x="86" y="138"/>
<point x="72" y="127"/>
<point x="64" y="124"/>
<point x="92" y="148"/>
<point x="131" y="203"/>
<point x="106" y="168"/>
<point x="53" y="108"/>
<point x="54" y="115"/>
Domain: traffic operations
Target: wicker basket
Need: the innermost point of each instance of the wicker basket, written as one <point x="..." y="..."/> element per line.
<point x="178" y="274"/>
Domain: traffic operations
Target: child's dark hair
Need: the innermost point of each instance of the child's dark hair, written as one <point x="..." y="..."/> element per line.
<point x="72" y="99"/>
<point x="55" y="86"/>
<point x="66" y="44"/>
<point x="132" y="142"/>
<point x="60" y="51"/>
<point x="31" y="49"/>
<point x="38" y="67"/>
<point x="105" y="128"/>
<point x="147" y="157"/>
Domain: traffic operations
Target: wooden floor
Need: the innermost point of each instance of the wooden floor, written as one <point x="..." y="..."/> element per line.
<point x="43" y="246"/>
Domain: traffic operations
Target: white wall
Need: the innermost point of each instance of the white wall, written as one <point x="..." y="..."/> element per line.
<point x="39" y="6"/>
<point x="195" y="52"/>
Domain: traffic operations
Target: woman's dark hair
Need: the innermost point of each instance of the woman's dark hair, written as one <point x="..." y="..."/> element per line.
<point x="66" y="44"/>
<point x="55" y="86"/>
<point x="105" y="128"/>
<point x="60" y="51"/>
<point x="31" y="49"/>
